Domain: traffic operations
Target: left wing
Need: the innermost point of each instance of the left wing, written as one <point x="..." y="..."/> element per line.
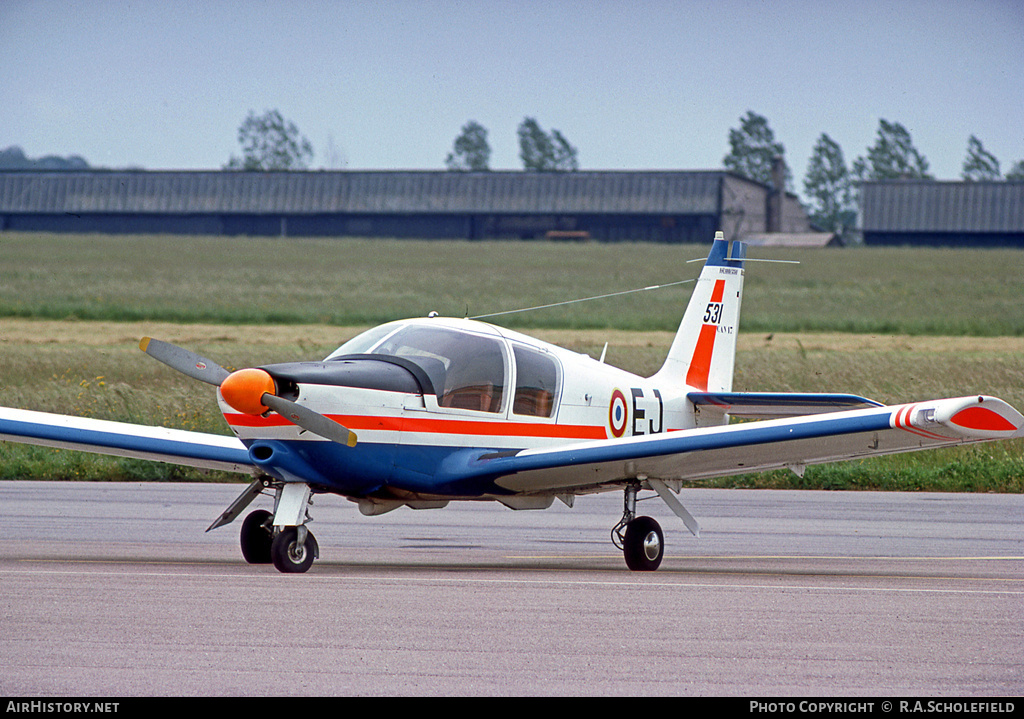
<point x="176" y="446"/>
<point x="749" y="447"/>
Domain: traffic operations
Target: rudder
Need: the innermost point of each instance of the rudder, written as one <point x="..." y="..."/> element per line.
<point x="703" y="353"/>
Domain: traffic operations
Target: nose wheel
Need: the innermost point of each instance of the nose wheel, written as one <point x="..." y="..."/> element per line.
<point x="640" y="538"/>
<point x="294" y="549"/>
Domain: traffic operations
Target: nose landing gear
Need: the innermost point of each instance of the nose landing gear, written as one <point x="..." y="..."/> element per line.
<point x="281" y="539"/>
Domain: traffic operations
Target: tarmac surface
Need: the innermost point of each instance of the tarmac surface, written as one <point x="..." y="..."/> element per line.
<point x="114" y="590"/>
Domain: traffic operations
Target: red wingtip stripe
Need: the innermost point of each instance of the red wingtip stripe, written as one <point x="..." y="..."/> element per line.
<point x="902" y="421"/>
<point x="981" y="418"/>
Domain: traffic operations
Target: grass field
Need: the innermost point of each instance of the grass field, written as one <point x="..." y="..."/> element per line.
<point x="95" y="369"/>
<point x="348" y="282"/>
<point x="894" y="325"/>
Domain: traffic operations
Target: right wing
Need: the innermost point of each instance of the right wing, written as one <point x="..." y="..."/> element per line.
<point x="747" y="447"/>
<point x="174" y="446"/>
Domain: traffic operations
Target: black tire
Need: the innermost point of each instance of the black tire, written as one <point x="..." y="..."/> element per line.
<point x="643" y="545"/>
<point x="291" y="557"/>
<point x="256" y="537"/>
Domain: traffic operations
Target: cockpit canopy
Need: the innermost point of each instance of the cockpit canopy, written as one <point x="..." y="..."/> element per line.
<point x="468" y="370"/>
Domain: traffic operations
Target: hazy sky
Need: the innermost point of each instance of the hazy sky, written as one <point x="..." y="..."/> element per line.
<point x="388" y="84"/>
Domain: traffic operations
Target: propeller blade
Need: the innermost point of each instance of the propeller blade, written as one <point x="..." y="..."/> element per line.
<point x="184" y="361"/>
<point x="202" y="369"/>
<point x="309" y="420"/>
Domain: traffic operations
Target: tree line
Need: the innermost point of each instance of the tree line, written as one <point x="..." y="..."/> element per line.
<point x="14" y="158"/>
<point x="830" y="184"/>
<point x="539" y="151"/>
<point x="269" y="142"/>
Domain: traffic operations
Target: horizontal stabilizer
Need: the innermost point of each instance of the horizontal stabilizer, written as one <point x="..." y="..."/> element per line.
<point x="773" y="405"/>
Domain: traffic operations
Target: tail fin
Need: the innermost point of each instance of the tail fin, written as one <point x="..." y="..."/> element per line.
<point x="703" y="352"/>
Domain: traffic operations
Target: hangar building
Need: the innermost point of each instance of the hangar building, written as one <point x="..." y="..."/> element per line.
<point x="653" y="206"/>
<point x="929" y="212"/>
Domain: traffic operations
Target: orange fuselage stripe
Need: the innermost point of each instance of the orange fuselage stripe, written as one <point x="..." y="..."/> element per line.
<point x="436" y="426"/>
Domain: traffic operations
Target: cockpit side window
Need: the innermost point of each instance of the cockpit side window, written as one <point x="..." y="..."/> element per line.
<point x="466" y="370"/>
<point x="536" y="383"/>
<point x="476" y="376"/>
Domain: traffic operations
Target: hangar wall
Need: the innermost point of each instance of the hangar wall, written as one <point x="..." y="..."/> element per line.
<point x="655" y="206"/>
<point x="943" y="214"/>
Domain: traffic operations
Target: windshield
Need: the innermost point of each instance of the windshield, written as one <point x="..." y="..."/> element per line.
<point x="364" y="342"/>
<point x="467" y="370"/>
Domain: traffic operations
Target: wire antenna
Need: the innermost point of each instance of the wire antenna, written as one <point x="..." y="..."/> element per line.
<point x="583" y="299"/>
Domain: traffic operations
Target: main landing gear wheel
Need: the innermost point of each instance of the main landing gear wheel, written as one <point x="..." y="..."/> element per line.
<point x="643" y="545"/>
<point x="293" y="554"/>
<point x="640" y="538"/>
<point x="257" y="536"/>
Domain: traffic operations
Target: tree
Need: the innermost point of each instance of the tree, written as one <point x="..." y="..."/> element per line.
<point x="753" y="149"/>
<point x="270" y="143"/>
<point x="13" y="158"/>
<point x="980" y="164"/>
<point x="1016" y="172"/>
<point x="542" y="152"/>
<point x="536" y="149"/>
<point x="892" y="157"/>
<point x="827" y="183"/>
<point x="470" y="150"/>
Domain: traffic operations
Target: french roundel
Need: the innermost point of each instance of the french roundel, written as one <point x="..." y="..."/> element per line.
<point x="618" y="413"/>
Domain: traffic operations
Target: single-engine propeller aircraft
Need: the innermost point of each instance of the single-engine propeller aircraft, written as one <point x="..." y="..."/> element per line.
<point x="425" y="411"/>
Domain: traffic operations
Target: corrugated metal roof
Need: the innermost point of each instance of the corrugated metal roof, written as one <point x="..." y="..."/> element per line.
<point x="222" y="192"/>
<point x="930" y="206"/>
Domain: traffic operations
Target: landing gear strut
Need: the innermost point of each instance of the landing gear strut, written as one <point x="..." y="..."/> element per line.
<point x="640" y="538"/>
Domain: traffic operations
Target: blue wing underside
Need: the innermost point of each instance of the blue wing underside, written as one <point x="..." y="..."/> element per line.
<point x="192" y="449"/>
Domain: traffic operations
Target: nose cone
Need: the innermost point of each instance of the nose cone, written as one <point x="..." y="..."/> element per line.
<point x="245" y="388"/>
